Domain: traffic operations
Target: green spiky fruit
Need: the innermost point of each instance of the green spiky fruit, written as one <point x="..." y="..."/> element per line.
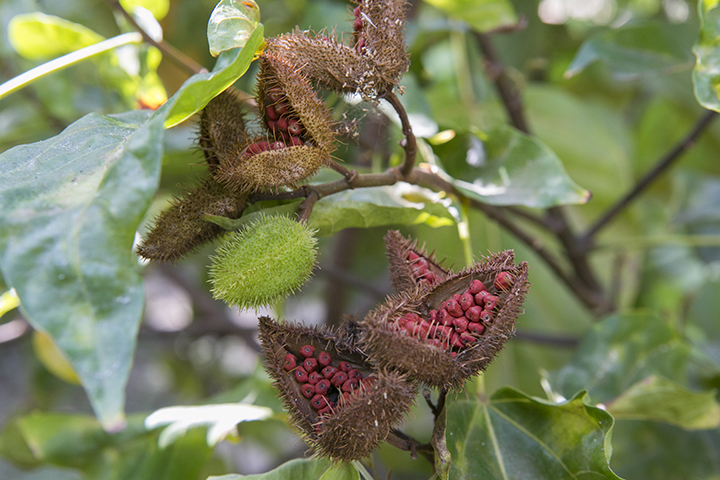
<point x="267" y="260"/>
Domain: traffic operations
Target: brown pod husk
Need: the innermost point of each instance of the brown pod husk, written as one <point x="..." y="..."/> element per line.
<point x="222" y="127"/>
<point x="402" y="272"/>
<point x="434" y="365"/>
<point x="355" y="428"/>
<point x="180" y="229"/>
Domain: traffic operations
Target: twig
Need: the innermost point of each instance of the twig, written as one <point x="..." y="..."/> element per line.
<point x="409" y="143"/>
<point x="171" y="52"/>
<point x="662" y="165"/>
<point x="306" y="207"/>
<point x="401" y="440"/>
<point x="561" y="341"/>
<point x="349" y="175"/>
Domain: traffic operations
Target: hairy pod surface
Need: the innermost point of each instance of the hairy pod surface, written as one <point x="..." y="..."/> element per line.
<point x="438" y="336"/>
<point x="180" y="229"/>
<point x="222" y="127"/>
<point x="410" y="265"/>
<point x="348" y="419"/>
<point x="266" y="260"/>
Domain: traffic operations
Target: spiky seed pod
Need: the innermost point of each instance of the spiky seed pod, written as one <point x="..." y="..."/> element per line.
<point x="446" y="350"/>
<point x="266" y="260"/>
<point x="182" y="228"/>
<point x="347" y="421"/>
<point x="410" y="265"/>
<point x="222" y="127"/>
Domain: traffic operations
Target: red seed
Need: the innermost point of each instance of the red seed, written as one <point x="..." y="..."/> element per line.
<point x="281" y="108"/>
<point x="294" y="127"/>
<point x="480" y="298"/>
<point x="430" y="278"/>
<point x="290" y="362"/>
<point x="412" y="317"/>
<point x="454" y="308"/>
<point x="460" y="324"/>
<point x="346" y="398"/>
<point x="453" y="354"/>
<point x="486" y="317"/>
<point x="324" y="359"/>
<point x="455" y="341"/>
<point x="412" y="256"/>
<point x="264" y="146"/>
<point x="411" y="327"/>
<point x="503" y="281"/>
<point x="356" y="12"/>
<point x="491" y="302"/>
<point x="282" y="123"/>
<point x="358" y="24"/>
<point x="308" y="390"/>
<point x="345" y="367"/>
<point x="338" y="379"/>
<point x="476" y="286"/>
<point x="456" y="297"/>
<point x="314" y="377"/>
<point x="354" y="373"/>
<point x="476" y="328"/>
<point x="367" y="382"/>
<point x="467" y="338"/>
<point x="272" y="124"/>
<point x="350" y="385"/>
<point x="443" y="332"/>
<point x="322" y="386"/>
<point x="275" y="94"/>
<point x="421" y="263"/>
<point x="445" y="317"/>
<point x="310" y="365"/>
<point x="473" y="313"/>
<point x="271" y="113"/>
<point x="423" y="328"/>
<point x="318" y="402"/>
<point x="307" y="351"/>
<point x="329" y="371"/>
<point x="466" y="301"/>
<point x="301" y="375"/>
<point x="361" y="44"/>
<point x="254" y="148"/>
<point x="295" y="142"/>
<point x="326" y="411"/>
<point x="403" y="331"/>
<point x="277" y="145"/>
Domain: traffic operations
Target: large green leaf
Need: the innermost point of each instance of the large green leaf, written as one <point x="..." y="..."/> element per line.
<point x="507" y="167"/>
<point x="481" y="15"/>
<point x="662" y="400"/>
<point x="298" y="469"/>
<point x="512" y="435"/>
<point x="231" y="24"/>
<point x="706" y="75"/>
<point x="632" y="50"/>
<point x="158" y="8"/>
<point x="621" y="351"/>
<point x="39" y="37"/>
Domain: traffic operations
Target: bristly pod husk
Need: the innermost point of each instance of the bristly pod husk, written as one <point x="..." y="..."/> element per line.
<point x="222" y="127"/>
<point x="342" y="405"/>
<point x="180" y="229"/>
<point x="443" y="336"/>
<point x="410" y="266"/>
<point x="266" y="260"/>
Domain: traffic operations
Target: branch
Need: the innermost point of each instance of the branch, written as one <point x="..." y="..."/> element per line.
<point x="405" y="442"/>
<point x="409" y="144"/>
<point x="662" y="165"/>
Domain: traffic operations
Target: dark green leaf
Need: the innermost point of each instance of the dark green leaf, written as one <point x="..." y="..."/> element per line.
<point x="706" y="75"/>
<point x="512" y="435"/>
<point x="481" y="15"/>
<point x="299" y="469"/>
<point x="507" y="167"/>
<point x="231" y="24"/>
<point x="631" y="51"/>
<point x="662" y="400"/>
<point x="620" y="351"/>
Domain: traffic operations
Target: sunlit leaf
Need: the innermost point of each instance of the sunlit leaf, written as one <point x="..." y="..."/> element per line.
<point x="512" y="435"/>
<point x="38" y="36"/>
<point x="52" y="358"/>
<point x="231" y="24"/>
<point x="507" y="167"/>
<point x="298" y="469"/>
<point x="158" y="8"/>
<point x="706" y="75"/>
<point x="481" y="15"/>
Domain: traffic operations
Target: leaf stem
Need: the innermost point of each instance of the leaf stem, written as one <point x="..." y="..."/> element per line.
<point x="60" y="63"/>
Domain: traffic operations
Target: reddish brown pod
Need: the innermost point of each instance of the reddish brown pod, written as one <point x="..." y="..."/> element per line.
<point x="347" y="407"/>
<point x="410" y="265"/>
<point x="444" y="335"/>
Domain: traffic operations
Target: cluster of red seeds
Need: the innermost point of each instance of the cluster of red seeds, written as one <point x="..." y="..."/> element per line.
<point x="325" y="385"/>
<point x="421" y="268"/>
<point x="360" y="45"/>
<point x="460" y="320"/>
<point x="286" y="128"/>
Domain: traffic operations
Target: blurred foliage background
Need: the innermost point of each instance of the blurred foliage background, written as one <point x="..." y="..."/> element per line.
<point x="606" y="85"/>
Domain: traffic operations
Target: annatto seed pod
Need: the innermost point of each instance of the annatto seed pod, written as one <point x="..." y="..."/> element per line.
<point x="352" y="409"/>
<point x="443" y="336"/>
<point x="222" y="127"/>
<point x="410" y="266"/>
<point x="266" y="260"/>
<point x="300" y="139"/>
<point x="182" y="228"/>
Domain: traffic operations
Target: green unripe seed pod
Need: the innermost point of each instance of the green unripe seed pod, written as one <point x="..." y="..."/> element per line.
<point x="267" y="260"/>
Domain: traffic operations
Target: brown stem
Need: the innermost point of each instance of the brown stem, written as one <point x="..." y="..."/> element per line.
<point x="401" y="440"/>
<point x="168" y="50"/>
<point x="349" y="175"/>
<point x="306" y="207"/>
<point x="662" y="165"/>
<point x="409" y="144"/>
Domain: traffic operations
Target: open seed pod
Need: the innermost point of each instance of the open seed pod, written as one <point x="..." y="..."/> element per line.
<point x="182" y="228"/>
<point x="444" y="335"/>
<point x="342" y="405"/>
<point x="410" y="266"/>
<point x="222" y="127"/>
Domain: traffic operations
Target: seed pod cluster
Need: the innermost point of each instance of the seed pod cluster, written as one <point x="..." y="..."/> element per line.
<point x="410" y="266"/>
<point x="341" y="403"/>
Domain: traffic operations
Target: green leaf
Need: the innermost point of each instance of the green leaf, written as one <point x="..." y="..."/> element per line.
<point x="158" y="8"/>
<point x="341" y="471"/>
<point x="481" y="15"/>
<point x="199" y="89"/>
<point x="662" y="400"/>
<point x="620" y="351"/>
<point x="71" y="205"/>
<point x="706" y="74"/>
<point x="632" y="51"/>
<point x="231" y="24"/>
<point x="512" y="435"/>
<point x="37" y="36"/>
<point x="298" y="469"/>
<point x="507" y="167"/>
